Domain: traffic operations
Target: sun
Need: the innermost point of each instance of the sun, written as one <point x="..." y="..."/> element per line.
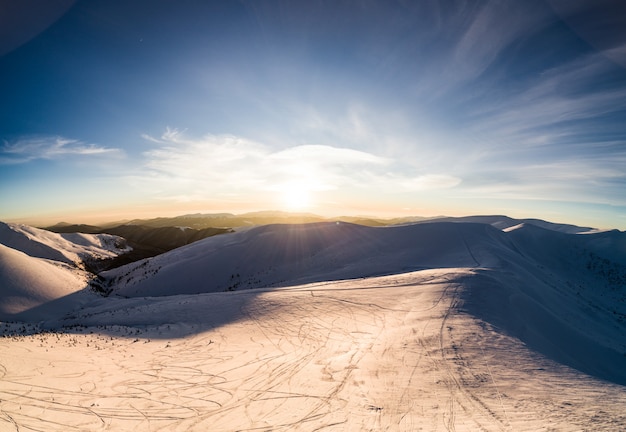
<point x="295" y="197"/>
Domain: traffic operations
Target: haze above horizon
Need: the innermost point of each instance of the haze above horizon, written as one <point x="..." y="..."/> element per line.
<point x="116" y="110"/>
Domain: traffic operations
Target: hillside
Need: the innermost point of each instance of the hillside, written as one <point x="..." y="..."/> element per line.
<point x="74" y="248"/>
<point x="504" y="222"/>
<point x="274" y="255"/>
<point x="481" y="324"/>
<point x="536" y="279"/>
<point x="143" y="241"/>
<point x="34" y="289"/>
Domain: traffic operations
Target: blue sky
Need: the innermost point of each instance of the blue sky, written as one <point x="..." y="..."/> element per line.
<point x="115" y="109"/>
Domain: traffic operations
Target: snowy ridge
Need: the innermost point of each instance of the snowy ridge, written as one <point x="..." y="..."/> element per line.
<point x="278" y="255"/>
<point x="506" y="223"/>
<point x="71" y="248"/>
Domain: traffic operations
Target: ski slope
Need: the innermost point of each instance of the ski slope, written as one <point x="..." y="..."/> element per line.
<point x="456" y="326"/>
<point x="390" y="353"/>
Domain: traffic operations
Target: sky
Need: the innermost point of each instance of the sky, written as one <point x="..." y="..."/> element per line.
<point x="114" y="109"/>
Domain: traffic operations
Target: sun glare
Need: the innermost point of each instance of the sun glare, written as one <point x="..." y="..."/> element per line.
<point x="296" y="198"/>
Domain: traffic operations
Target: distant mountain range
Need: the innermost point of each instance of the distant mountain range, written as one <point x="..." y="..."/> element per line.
<point x="229" y="220"/>
<point x="150" y="237"/>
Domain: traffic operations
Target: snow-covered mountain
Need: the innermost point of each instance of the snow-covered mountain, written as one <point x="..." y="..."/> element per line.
<point x="545" y="286"/>
<point x="71" y="248"/>
<point x="277" y="255"/>
<point x="41" y="272"/>
<point x="478" y="324"/>
<point x="504" y="222"/>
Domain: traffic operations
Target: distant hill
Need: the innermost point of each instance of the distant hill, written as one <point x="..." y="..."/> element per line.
<point x="505" y="222"/>
<point x="230" y="220"/>
<point x="272" y="255"/>
<point x="145" y="241"/>
<point x="63" y="227"/>
<point x="76" y="248"/>
<point x="227" y="220"/>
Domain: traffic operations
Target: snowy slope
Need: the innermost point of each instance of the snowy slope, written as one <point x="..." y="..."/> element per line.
<point x="71" y="248"/>
<point x="472" y="327"/>
<point x="394" y="353"/>
<point x="28" y="283"/>
<point x="42" y="273"/>
<point x="275" y="255"/>
<point x="564" y="294"/>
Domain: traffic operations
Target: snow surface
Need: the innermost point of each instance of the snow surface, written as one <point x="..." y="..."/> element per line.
<point x="72" y="248"/>
<point x="433" y="326"/>
<point x="35" y="289"/>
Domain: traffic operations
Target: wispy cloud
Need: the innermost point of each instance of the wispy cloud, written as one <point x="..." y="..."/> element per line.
<point x="488" y="31"/>
<point x="557" y="136"/>
<point x="227" y="165"/>
<point x="599" y="179"/>
<point x="566" y="93"/>
<point x="29" y="149"/>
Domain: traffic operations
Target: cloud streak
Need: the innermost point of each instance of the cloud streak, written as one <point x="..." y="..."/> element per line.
<point x="227" y="165"/>
<point x="29" y="149"/>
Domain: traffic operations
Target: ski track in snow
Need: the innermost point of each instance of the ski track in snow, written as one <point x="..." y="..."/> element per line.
<point x="390" y="353"/>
